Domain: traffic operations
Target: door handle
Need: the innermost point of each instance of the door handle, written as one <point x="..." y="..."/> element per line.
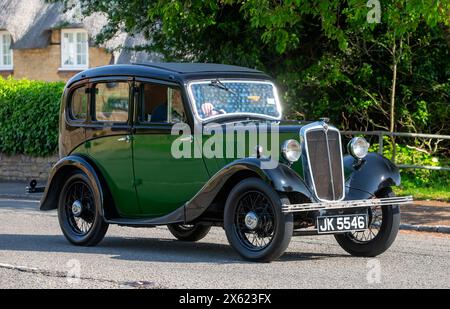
<point x="126" y="139"/>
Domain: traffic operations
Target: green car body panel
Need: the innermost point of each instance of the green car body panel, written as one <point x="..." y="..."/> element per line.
<point x="245" y="146"/>
<point x="144" y="178"/>
<point x="164" y="183"/>
<point x="115" y="162"/>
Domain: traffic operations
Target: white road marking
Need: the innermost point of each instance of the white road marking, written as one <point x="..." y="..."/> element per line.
<point x="18" y="200"/>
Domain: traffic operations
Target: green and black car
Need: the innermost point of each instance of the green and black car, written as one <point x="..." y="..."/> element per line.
<point x="192" y="146"/>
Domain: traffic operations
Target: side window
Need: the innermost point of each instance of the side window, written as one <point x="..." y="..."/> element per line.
<point x="79" y="104"/>
<point x="161" y="104"/>
<point x="112" y="101"/>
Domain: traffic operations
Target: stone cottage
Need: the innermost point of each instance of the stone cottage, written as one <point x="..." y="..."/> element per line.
<point x="42" y="41"/>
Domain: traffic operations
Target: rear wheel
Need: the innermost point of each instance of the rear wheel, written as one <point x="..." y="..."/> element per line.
<point x="79" y="211"/>
<point x="254" y="223"/>
<point x="189" y="232"/>
<point x="384" y="222"/>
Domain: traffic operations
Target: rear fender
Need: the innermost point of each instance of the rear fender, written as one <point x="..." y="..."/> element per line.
<point x="58" y="176"/>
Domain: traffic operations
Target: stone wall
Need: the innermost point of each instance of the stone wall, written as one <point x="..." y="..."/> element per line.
<point x="25" y="168"/>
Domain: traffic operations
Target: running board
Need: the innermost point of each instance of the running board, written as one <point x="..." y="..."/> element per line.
<point x="177" y="216"/>
<point x="399" y="200"/>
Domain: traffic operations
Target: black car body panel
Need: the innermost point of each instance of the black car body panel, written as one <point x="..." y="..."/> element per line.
<point x="283" y="179"/>
<point x="49" y="200"/>
<point x="370" y="175"/>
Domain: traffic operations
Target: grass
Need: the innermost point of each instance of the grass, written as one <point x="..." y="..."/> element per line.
<point x="438" y="192"/>
<point x="425" y="185"/>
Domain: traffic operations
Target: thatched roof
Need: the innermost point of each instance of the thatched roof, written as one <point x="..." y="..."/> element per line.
<point x="30" y="23"/>
<point x="127" y="55"/>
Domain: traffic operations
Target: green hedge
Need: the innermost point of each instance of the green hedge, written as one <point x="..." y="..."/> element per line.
<point x="29" y="112"/>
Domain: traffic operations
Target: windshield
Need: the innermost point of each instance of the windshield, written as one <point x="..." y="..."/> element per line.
<point x="216" y="98"/>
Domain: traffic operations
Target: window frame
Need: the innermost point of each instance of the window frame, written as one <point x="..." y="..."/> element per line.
<point x="70" y="115"/>
<point x="7" y="67"/>
<point x="75" y="67"/>
<point x="93" y="102"/>
<point x="140" y="100"/>
<point x="200" y="119"/>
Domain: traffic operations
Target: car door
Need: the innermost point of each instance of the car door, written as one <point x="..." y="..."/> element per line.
<point x="163" y="182"/>
<point x="109" y="140"/>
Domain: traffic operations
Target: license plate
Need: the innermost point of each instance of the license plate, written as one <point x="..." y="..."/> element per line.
<point x="344" y="223"/>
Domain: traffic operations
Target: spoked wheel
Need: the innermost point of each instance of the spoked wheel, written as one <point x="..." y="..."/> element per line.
<point x="189" y="232"/>
<point x="383" y="226"/>
<point x="79" y="211"/>
<point x="254" y="223"/>
<point x="375" y="221"/>
<point x="79" y="206"/>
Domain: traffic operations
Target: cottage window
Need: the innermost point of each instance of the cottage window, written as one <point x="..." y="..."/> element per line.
<point x="6" y="54"/>
<point x="74" y="49"/>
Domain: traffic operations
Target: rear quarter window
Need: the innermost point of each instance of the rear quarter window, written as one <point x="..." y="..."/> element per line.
<point x="79" y="104"/>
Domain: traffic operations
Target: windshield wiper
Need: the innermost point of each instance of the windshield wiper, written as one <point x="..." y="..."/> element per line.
<point x="218" y="84"/>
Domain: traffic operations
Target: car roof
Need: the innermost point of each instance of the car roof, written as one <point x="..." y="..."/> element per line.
<point x="184" y="67"/>
<point x="171" y="71"/>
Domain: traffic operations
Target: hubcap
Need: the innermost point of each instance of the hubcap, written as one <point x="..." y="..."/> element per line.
<point x="77" y="207"/>
<point x="251" y="220"/>
<point x="255" y="221"/>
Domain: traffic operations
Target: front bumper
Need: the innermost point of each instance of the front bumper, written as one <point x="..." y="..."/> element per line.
<point x="398" y="200"/>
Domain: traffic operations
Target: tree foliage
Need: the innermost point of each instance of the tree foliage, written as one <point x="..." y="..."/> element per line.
<point x="329" y="60"/>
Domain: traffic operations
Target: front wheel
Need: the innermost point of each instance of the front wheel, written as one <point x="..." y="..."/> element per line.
<point x="254" y="223"/>
<point x="384" y="222"/>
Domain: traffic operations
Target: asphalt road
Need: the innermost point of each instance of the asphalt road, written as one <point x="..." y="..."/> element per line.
<point x="34" y="254"/>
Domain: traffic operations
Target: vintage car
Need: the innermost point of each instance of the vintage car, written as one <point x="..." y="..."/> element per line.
<point x="134" y="151"/>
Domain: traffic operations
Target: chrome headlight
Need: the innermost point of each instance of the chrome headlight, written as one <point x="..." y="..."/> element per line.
<point x="358" y="147"/>
<point x="291" y="150"/>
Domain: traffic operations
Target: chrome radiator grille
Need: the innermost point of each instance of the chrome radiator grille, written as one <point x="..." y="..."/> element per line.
<point x="323" y="164"/>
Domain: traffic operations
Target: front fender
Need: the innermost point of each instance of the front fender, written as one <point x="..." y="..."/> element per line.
<point x="282" y="179"/>
<point x="371" y="175"/>
<point x="58" y="176"/>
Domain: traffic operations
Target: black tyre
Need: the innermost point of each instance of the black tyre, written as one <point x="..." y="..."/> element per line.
<point x="79" y="211"/>
<point x="187" y="232"/>
<point x="384" y="222"/>
<point x="254" y="223"/>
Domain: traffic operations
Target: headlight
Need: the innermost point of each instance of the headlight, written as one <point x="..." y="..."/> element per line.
<point x="291" y="150"/>
<point x="358" y="147"/>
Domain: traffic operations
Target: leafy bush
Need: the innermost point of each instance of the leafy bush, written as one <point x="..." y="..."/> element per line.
<point x="412" y="178"/>
<point x="29" y="112"/>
